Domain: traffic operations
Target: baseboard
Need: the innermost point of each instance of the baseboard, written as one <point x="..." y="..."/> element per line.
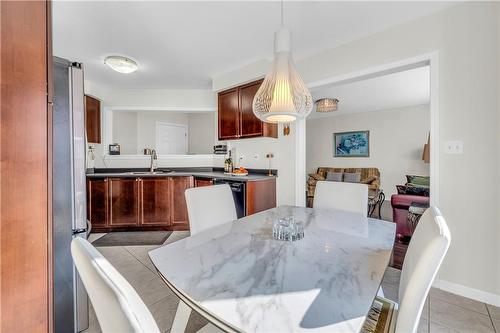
<point x="475" y="294"/>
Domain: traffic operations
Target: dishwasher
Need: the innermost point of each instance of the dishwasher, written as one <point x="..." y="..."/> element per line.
<point x="239" y="194"/>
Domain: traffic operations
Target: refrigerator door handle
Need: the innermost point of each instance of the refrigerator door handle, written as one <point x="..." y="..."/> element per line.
<point x="79" y="231"/>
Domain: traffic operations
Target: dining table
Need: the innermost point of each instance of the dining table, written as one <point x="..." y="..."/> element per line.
<point x="241" y="279"/>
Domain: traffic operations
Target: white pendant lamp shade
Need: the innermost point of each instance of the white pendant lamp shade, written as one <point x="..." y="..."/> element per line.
<point x="283" y="96"/>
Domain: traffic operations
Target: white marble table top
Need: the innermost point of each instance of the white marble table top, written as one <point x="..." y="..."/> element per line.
<point x="237" y="275"/>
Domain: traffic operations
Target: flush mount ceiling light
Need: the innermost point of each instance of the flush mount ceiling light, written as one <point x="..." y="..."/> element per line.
<point x="283" y="96"/>
<point x="326" y="104"/>
<point x="121" y="64"/>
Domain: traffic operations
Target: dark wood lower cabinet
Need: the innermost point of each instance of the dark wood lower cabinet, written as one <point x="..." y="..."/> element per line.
<point x="198" y="182"/>
<point x="261" y="195"/>
<point x="123" y="202"/>
<point x="155" y="202"/>
<point x="178" y="186"/>
<point x="97" y="202"/>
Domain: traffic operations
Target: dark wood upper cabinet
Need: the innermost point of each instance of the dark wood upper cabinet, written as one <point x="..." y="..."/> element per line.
<point x="236" y="118"/>
<point x="229" y="116"/>
<point x="178" y="186"/>
<point x="97" y="202"/>
<point x="250" y="125"/>
<point x="93" y="119"/>
<point x="155" y="202"/>
<point x="123" y="202"/>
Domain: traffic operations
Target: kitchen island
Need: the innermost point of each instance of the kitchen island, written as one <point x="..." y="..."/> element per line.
<point x="136" y="199"/>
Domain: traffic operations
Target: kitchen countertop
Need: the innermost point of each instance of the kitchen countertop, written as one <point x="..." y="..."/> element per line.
<point x="201" y="174"/>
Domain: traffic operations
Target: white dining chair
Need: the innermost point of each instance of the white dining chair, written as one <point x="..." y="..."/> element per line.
<point x="117" y="305"/>
<point x="350" y="197"/>
<point x="426" y="252"/>
<point x="209" y="206"/>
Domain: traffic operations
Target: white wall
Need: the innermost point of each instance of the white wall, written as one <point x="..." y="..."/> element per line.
<point x="125" y="132"/>
<point x="397" y="139"/>
<point x="202" y="133"/>
<point x="466" y="37"/>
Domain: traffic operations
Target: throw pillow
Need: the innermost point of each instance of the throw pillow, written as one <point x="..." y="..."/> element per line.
<point x="368" y="180"/>
<point x="334" y="176"/>
<point x="411" y="189"/>
<point x="419" y="180"/>
<point x="354" y="177"/>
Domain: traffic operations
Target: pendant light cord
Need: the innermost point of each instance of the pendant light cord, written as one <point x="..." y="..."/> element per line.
<point x="282" y="20"/>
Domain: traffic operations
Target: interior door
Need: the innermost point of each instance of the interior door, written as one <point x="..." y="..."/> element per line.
<point x="171" y="139"/>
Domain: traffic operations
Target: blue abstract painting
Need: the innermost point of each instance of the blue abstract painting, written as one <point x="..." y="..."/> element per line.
<point x="351" y="144"/>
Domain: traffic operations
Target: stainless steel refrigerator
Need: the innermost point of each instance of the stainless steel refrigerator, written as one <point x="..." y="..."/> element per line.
<point x="69" y="194"/>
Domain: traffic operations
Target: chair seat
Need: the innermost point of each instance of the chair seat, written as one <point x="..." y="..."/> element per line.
<point x="382" y="316"/>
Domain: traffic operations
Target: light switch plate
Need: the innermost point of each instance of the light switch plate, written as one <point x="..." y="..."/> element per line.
<point x="453" y="147"/>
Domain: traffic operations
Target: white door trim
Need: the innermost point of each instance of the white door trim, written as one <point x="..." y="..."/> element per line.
<point x="431" y="59"/>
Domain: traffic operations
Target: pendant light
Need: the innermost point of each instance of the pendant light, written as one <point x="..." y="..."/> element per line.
<point x="283" y="96"/>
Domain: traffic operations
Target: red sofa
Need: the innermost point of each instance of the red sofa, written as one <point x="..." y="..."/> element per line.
<point x="400" y="204"/>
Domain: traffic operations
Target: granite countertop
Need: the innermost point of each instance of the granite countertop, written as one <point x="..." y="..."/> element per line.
<point x="241" y="277"/>
<point x="174" y="173"/>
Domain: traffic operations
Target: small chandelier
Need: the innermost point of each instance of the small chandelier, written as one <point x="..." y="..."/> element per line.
<point x="283" y="96"/>
<point x="326" y="104"/>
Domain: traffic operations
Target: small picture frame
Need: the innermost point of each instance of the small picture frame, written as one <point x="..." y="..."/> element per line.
<point x="114" y="149"/>
<point x="351" y="144"/>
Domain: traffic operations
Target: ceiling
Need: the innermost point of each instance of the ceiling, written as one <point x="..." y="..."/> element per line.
<point x="182" y="45"/>
<point x="392" y="91"/>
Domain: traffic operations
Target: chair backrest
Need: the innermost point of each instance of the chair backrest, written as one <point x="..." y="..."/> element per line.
<point x="209" y="206"/>
<point x="350" y="197"/>
<point x="426" y="251"/>
<point x="117" y="305"/>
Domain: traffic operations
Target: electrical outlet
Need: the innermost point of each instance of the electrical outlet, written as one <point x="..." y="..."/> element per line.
<point x="454" y="147"/>
<point x="255" y="156"/>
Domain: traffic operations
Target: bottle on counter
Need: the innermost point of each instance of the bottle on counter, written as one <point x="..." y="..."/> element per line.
<point x="228" y="164"/>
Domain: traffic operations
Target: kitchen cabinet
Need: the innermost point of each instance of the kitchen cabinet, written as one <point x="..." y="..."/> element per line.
<point x="155" y="202"/>
<point x="198" y="182"/>
<point x="135" y="203"/>
<point x="97" y="202"/>
<point x="179" y="215"/>
<point x="235" y="115"/>
<point x="228" y="114"/>
<point x="260" y="196"/>
<point x="93" y="119"/>
<point x="123" y="202"/>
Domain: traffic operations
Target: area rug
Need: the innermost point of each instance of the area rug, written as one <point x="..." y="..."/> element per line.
<point x="130" y="238"/>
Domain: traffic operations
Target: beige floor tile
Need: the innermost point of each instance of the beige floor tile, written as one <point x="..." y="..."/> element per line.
<point x="95" y="236"/>
<point x="392" y="277"/>
<point x="163" y="312"/>
<point x="176" y="235"/>
<point x="437" y="328"/>
<point x="463" y="302"/>
<point x="458" y="318"/>
<point x="153" y="291"/>
<point x="496" y="323"/>
<point x="494" y="311"/>
<point x="93" y="323"/>
<point x="390" y="292"/>
<point x="141" y="254"/>
<point x="423" y="326"/>
<point x="195" y="323"/>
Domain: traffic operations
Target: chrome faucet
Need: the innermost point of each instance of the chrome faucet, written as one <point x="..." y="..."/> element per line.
<point x="152" y="166"/>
